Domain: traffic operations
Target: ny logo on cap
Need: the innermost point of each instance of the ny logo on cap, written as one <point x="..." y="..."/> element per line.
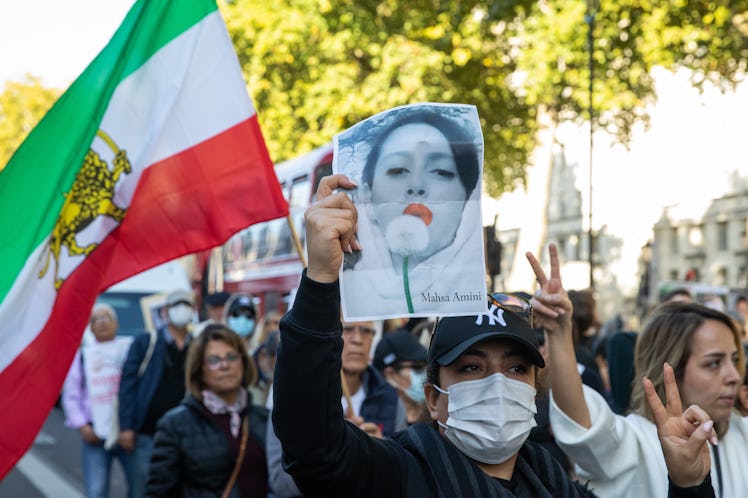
<point x="495" y="314"/>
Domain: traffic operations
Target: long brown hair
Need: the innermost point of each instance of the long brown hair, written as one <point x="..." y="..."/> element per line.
<point x="667" y="336"/>
<point x="193" y="369"/>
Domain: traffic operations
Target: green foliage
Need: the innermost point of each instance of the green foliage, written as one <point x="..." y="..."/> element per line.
<point x="22" y="105"/>
<point x="316" y="67"/>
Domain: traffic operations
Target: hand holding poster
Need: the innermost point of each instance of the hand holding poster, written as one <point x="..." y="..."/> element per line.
<point x="419" y="171"/>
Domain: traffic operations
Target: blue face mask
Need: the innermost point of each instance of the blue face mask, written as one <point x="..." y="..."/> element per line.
<point x="415" y="391"/>
<point x="242" y="325"/>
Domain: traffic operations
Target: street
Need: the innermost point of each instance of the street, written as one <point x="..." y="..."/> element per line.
<point x="52" y="467"/>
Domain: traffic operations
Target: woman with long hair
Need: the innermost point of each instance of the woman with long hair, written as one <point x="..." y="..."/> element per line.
<point x="621" y="456"/>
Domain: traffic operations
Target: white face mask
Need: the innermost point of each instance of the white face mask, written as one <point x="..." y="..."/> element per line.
<point x="490" y="418"/>
<point x="180" y="315"/>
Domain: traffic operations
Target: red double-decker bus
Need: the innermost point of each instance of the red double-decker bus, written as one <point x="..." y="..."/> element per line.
<point x="262" y="259"/>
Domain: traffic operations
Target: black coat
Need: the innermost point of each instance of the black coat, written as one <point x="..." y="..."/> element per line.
<point x="329" y="458"/>
<point x="192" y="456"/>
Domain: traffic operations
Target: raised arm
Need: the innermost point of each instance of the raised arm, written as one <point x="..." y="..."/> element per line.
<point x="552" y="310"/>
<point x="326" y="456"/>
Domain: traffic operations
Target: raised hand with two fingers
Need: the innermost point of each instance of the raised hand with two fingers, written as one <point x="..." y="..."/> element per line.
<point x="683" y="434"/>
<point x="552" y="311"/>
<point x="551" y="304"/>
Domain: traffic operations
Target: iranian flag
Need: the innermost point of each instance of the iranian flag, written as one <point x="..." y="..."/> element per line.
<point x="153" y="152"/>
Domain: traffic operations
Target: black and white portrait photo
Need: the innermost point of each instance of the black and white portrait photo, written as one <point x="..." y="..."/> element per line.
<point x="419" y="174"/>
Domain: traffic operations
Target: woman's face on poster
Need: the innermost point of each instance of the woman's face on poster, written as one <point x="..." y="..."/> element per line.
<point x="416" y="177"/>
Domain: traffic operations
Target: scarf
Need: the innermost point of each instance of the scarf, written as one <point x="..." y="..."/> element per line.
<point x="216" y="405"/>
<point x="536" y="474"/>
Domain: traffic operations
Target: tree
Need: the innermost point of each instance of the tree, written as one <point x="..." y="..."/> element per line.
<point x="22" y="105"/>
<point x="315" y="67"/>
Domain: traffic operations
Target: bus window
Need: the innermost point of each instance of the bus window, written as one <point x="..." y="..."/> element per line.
<point x="278" y="239"/>
<point x="300" y="193"/>
<point x="321" y="171"/>
<point x="249" y="242"/>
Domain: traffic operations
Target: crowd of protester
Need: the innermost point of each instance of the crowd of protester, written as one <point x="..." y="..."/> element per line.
<point x="190" y="410"/>
<point x="552" y="403"/>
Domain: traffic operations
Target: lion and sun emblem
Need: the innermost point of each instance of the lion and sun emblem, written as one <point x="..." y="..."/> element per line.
<point x="91" y="196"/>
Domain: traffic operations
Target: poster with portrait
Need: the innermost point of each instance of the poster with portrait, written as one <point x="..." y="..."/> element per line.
<point x="419" y="170"/>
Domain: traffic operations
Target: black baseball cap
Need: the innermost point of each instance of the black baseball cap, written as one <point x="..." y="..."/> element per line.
<point x="455" y="335"/>
<point x="217" y="298"/>
<point x="241" y="301"/>
<point x="399" y="345"/>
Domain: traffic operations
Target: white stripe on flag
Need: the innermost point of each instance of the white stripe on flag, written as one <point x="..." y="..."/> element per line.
<point x="190" y="90"/>
<point x="26" y="308"/>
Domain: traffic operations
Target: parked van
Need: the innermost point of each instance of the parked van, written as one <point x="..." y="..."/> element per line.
<point x="139" y="299"/>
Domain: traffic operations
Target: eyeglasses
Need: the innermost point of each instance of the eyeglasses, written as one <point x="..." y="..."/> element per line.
<point x="214" y="362"/>
<point x="515" y="303"/>
<point x="364" y="330"/>
<point x="102" y="318"/>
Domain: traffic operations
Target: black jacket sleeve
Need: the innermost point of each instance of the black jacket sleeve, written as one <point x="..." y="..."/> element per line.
<point x="327" y="456"/>
<point x="165" y="470"/>
<point x="703" y="490"/>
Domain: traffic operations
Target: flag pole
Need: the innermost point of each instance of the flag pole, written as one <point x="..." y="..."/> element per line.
<point x="296" y="240"/>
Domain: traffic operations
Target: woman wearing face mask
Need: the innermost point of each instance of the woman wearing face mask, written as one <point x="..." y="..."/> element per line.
<point x="241" y="316"/>
<point x="480" y="392"/>
<point x="402" y="361"/>
<point x="419" y="203"/>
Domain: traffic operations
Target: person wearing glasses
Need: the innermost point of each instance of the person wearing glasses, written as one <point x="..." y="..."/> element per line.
<point x="480" y="391"/>
<point x="213" y="443"/>
<point x="367" y="401"/>
<point x="88" y="397"/>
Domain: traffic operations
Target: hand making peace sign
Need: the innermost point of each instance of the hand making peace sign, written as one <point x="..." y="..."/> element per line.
<point x="683" y="434"/>
<point x="551" y="304"/>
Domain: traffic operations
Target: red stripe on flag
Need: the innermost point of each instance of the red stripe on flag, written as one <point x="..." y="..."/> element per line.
<point x="186" y="203"/>
<point x="197" y="199"/>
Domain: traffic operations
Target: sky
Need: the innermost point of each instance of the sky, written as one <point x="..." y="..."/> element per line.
<point x="55" y="39"/>
<point x="687" y="156"/>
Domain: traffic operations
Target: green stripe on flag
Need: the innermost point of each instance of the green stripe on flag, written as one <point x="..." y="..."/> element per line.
<point x="33" y="184"/>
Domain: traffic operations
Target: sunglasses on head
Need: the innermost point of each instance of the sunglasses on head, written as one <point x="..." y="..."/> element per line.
<point x="516" y="303"/>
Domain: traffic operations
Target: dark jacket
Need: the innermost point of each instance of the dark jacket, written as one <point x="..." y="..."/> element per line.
<point x="381" y="404"/>
<point x="329" y="457"/>
<point x="136" y="392"/>
<point x="191" y="455"/>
